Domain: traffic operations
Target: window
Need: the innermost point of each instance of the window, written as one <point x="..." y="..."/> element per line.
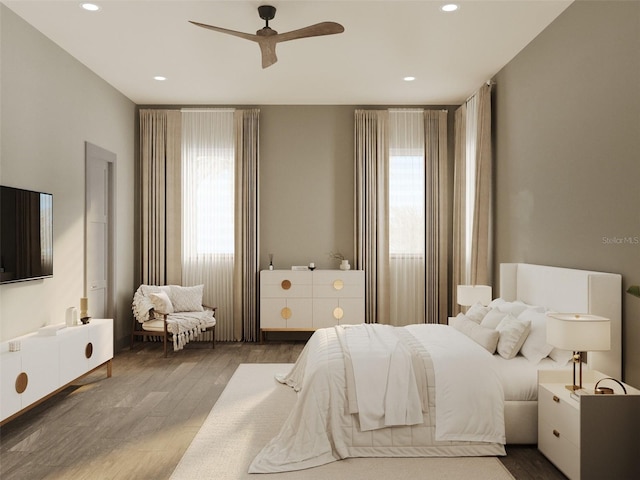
<point x="208" y="172"/>
<point x="213" y="206"/>
<point x="406" y="183"/>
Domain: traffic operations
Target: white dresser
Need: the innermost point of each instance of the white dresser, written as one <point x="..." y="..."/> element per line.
<point x="307" y="300"/>
<point x="589" y="436"/>
<point x="45" y="364"/>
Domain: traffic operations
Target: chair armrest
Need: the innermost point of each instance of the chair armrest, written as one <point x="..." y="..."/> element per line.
<point x="153" y="314"/>
<point x="210" y="308"/>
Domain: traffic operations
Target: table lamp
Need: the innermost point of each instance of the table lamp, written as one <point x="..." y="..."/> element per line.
<point x="468" y="295"/>
<point x="579" y="333"/>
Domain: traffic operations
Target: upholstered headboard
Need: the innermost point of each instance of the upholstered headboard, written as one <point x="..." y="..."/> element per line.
<point x="571" y="291"/>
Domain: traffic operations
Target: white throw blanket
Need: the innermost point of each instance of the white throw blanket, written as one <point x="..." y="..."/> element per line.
<point x="385" y="385"/>
<point x="186" y="326"/>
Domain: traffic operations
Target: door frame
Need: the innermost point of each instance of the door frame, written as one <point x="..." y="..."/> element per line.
<point x="94" y="152"/>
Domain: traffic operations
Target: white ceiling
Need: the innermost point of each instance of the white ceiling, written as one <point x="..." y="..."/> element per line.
<point x="127" y="43"/>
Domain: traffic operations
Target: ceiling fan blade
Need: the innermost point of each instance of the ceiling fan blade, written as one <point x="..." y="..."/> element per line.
<point x="317" y="30"/>
<point x="247" y="36"/>
<point x="268" y="50"/>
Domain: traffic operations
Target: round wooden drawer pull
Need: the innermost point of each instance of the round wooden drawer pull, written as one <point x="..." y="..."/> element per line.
<point x="338" y="285"/>
<point x="88" y="351"/>
<point x="556" y="433"/>
<point x="286" y="313"/>
<point x="556" y="399"/>
<point x="22" y="380"/>
<point x="338" y="313"/>
<point x="286" y="284"/>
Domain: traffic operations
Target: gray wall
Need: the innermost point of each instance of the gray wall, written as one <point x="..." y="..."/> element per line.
<point x="306" y="184"/>
<point x="51" y="105"/>
<point x="567" y="126"/>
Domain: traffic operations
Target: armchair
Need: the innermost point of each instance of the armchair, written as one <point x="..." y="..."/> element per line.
<point x="171" y="312"/>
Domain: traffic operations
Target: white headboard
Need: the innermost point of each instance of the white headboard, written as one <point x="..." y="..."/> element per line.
<point x="571" y="291"/>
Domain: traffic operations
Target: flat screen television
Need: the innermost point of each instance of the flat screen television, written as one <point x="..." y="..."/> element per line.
<point x="26" y="235"/>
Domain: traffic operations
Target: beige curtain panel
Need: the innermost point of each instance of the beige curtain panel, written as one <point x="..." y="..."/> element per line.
<point x="436" y="214"/>
<point x="160" y="196"/>
<point x="371" y="205"/>
<point x="246" y="268"/>
<point x="472" y="242"/>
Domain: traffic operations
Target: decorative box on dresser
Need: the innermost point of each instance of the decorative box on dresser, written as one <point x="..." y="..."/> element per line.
<point x="305" y="300"/>
<point x="45" y="362"/>
<point x="588" y="435"/>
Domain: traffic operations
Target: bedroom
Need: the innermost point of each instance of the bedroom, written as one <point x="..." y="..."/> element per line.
<point x="558" y="126"/>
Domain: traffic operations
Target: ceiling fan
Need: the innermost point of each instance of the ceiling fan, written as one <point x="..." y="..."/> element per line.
<point x="267" y="38"/>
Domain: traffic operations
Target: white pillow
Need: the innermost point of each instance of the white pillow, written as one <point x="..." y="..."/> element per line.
<point x="484" y="337"/>
<point x="535" y="347"/>
<point x="161" y="302"/>
<point x="495" y="302"/>
<point x="493" y="318"/>
<point x="186" y="299"/>
<point x="513" y="333"/>
<point x="515" y="308"/>
<point x="477" y="312"/>
<point x="561" y="356"/>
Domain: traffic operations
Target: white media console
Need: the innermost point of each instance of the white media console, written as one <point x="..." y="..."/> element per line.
<point x="45" y="362"/>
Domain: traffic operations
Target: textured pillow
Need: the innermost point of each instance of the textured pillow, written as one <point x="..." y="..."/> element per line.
<point x="161" y="302"/>
<point x="513" y="333"/>
<point x="477" y="312"/>
<point x="186" y="299"/>
<point x="484" y="337"/>
<point x="535" y="347"/>
<point x="493" y="318"/>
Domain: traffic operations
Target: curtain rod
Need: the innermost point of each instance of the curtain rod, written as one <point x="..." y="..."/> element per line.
<point x="488" y="83"/>
<point x="208" y="109"/>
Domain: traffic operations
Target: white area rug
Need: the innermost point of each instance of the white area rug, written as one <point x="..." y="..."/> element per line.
<point x="250" y="412"/>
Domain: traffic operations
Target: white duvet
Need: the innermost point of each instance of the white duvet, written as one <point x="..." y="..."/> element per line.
<point x="459" y="393"/>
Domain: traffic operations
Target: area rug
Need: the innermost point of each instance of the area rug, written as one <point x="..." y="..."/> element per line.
<point x="251" y="410"/>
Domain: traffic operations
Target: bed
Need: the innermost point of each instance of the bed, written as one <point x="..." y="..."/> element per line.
<point x="481" y="401"/>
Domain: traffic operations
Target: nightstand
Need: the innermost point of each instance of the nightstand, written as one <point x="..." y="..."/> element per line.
<point x="589" y="436"/>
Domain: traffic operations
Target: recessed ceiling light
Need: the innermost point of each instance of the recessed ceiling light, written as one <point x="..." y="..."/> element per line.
<point x="160" y="78"/>
<point x="409" y="79"/>
<point x="449" y="7"/>
<point x="91" y="7"/>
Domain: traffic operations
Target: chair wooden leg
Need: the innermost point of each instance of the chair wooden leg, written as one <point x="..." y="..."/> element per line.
<point x="213" y="335"/>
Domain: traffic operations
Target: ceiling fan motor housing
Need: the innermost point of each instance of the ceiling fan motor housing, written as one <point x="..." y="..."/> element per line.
<point x="266" y="12"/>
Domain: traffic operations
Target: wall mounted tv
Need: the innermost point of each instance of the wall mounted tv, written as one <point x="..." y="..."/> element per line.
<point x="26" y="235"/>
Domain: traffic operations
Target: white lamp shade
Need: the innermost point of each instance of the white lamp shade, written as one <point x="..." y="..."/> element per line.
<point x="471" y="294"/>
<point x="578" y="332"/>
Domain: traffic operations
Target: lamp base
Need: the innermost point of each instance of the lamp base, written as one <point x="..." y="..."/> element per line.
<point x="573" y="388"/>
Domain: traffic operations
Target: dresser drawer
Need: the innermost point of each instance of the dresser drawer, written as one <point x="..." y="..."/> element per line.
<point x="328" y="312"/>
<point x="286" y="313"/>
<point x="286" y="283"/>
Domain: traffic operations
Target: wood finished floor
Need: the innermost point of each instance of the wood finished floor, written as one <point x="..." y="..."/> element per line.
<point x="138" y="424"/>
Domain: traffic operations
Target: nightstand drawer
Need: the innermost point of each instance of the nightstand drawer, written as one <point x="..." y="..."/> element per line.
<point x="557" y="448"/>
<point x="564" y="418"/>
